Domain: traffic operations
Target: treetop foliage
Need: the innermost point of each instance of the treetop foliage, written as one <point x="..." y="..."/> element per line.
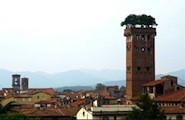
<point x="143" y="20"/>
<point x="6" y="113"/>
<point x="100" y="86"/>
<point x="147" y="109"/>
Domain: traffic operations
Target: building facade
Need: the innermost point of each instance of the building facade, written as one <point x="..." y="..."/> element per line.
<point x="106" y="112"/>
<point x="165" y="85"/>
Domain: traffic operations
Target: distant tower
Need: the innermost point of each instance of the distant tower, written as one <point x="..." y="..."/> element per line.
<point x="140" y="58"/>
<point x="24" y="84"/>
<point x="16" y="83"/>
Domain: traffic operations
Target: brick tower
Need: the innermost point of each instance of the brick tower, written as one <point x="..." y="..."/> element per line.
<point x="140" y="58"/>
<point x="24" y="84"/>
<point x="16" y="83"/>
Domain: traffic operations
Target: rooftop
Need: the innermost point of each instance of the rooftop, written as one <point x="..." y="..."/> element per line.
<point x="109" y="108"/>
<point x="156" y="82"/>
<point x="173" y="97"/>
<point x="173" y="109"/>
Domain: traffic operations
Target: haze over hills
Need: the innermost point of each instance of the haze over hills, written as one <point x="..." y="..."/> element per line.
<point x="76" y="78"/>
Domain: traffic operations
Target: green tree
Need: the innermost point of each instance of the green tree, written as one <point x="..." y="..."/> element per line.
<point x="100" y="86"/>
<point x="146" y="109"/>
<point x="67" y="90"/>
<point x="6" y="113"/>
<point x="13" y="116"/>
<point x="7" y="108"/>
<point x="122" y="88"/>
<point x="142" y="20"/>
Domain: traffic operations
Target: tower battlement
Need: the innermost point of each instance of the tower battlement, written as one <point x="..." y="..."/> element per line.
<point x="139" y="30"/>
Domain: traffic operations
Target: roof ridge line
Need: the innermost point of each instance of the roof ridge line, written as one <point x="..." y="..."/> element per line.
<point x="181" y="98"/>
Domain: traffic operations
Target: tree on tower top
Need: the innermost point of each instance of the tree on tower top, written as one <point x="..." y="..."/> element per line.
<point x="143" y="20"/>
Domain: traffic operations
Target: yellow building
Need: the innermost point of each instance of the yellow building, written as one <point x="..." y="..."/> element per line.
<point x="31" y="97"/>
<point x="6" y="100"/>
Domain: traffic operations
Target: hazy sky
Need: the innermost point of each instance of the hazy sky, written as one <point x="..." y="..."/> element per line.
<point x="60" y="35"/>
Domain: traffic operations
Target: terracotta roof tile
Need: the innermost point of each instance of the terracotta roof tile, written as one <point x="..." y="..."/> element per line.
<point x="48" y="101"/>
<point x="77" y="103"/>
<point x="105" y="95"/>
<point x="156" y="82"/>
<point x="29" y="93"/>
<point x="70" y="111"/>
<point x="50" y="112"/>
<point x="173" y="109"/>
<point x="173" y="97"/>
<point x="43" y="112"/>
<point x="47" y="90"/>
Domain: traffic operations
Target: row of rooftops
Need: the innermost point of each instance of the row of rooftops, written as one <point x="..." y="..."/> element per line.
<point x="177" y="96"/>
<point x="162" y="80"/>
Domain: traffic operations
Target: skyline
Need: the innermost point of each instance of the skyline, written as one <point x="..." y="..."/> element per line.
<point x="55" y="36"/>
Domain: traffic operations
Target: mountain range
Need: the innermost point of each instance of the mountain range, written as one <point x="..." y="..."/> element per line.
<point x="82" y="77"/>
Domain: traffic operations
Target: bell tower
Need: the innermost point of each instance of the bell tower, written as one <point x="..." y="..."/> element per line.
<point x="16" y="83"/>
<point x="24" y="84"/>
<point x="140" y="58"/>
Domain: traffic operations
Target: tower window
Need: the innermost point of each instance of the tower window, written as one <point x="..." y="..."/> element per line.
<point x="128" y="47"/>
<point x="137" y="37"/>
<point x="147" y="68"/>
<point x="128" y="69"/>
<point x="148" y="37"/>
<point x="142" y="49"/>
<point x="137" y="49"/>
<point x="138" y="68"/>
<point x="148" y="49"/>
<point x="143" y="37"/>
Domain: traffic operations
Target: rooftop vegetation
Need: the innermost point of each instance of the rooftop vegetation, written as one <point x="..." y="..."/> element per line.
<point x="143" y="20"/>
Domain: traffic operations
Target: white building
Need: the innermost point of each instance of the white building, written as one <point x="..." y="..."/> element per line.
<point x="108" y="112"/>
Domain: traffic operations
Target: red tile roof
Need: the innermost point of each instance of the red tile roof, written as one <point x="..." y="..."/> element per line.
<point x="29" y="94"/>
<point x="106" y="95"/>
<point x="43" y="112"/>
<point x="173" y="109"/>
<point x="173" y="97"/>
<point x="48" y="101"/>
<point x="77" y="103"/>
<point x="156" y="82"/>
<point x="71" y="112"/>
<point x="47" y="90"/>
